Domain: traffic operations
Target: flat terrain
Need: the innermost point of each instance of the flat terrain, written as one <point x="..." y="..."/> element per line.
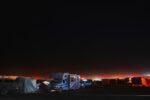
<point x="74" y="97"/>
<point x="87" y="94"/>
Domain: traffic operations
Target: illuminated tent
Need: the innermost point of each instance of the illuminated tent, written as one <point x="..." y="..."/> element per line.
<point x="27" y="85"/>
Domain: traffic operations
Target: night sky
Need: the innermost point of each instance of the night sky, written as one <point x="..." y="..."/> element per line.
<point x="94" y="40"/>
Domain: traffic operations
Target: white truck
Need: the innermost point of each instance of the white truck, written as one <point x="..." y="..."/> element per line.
<point x="65" y="81"/>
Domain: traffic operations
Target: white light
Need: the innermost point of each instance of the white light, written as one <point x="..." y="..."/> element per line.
<point x="97" y="79"/>
<point x="84" y="80"/>
<point x="148" y="74"/>
<point x="53" y="90"/>
<point x="46" y="82"/>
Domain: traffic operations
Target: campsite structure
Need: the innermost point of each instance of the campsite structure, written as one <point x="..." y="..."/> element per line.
<point x="16" y="84"/>
<point x="65" y="81"/>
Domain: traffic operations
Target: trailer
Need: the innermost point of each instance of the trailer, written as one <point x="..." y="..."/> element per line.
<point x="65" y="81"/>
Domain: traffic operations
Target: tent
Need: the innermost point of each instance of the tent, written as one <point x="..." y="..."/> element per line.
<point x="27" y="85"/>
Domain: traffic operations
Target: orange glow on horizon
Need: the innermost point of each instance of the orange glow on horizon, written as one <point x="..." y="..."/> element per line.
<point x="9" y="77"/>
<point x="112" y="76"/>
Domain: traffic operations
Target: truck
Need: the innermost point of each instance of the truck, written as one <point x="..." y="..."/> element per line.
<point x="65" y="81"/>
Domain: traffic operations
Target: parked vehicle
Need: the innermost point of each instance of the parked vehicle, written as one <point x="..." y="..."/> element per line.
<point x="86" y="83"/>
<point x="65" y="81"/>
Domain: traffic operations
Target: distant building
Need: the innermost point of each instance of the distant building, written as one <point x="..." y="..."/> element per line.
<point x="115" y="82"/>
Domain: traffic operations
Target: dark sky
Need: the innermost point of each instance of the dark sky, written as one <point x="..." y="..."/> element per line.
<point x="105" y="38"/>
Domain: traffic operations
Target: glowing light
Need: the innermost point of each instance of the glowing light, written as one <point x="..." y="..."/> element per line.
<point x="46" y="82"/>
<point x="97" y="79"/>
<point x="130" y="80"/>
<point x="147" y="74"/>
<point x="9" y="77"/>
<point x="82" y="78"/>
<point x="144" y="82"/>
